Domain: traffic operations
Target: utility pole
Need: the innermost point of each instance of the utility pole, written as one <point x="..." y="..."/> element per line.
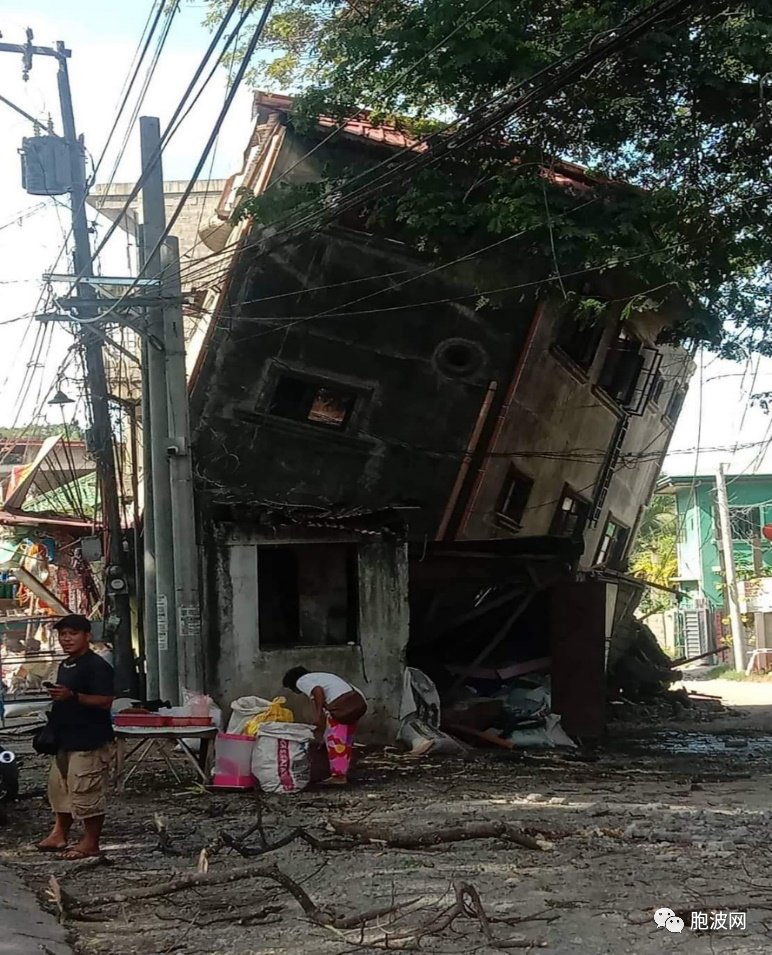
<point x="101" y="431"/>
<point x="157" y="414"/>
<point x="730" y="575"/>
<point x="190" y="646"/>
<point x="150" y="603"/>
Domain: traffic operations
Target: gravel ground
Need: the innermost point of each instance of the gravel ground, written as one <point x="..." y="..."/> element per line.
<point x="675" y="816"/>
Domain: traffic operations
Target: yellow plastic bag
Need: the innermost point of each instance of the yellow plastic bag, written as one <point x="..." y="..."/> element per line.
<point x="277" y="712"/>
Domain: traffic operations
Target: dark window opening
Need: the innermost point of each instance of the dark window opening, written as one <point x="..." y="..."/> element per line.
<point x="307" y="595"/>
<point x="621" y="369"/>
<point x="301" y="399"/>
<point x="514" y="499"/>
<point x="657" y="385"/>
<point x="744" y="523"/>
<point x="613" y="544"/>
<point x="571" y="516"/>
<point x="676" y="403"/>
<point x="579" y="338"/>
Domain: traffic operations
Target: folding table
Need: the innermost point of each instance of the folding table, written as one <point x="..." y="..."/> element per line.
<point x="136" y="743"/>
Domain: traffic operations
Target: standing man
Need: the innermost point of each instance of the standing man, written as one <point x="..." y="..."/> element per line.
<point x="80" y="720"/>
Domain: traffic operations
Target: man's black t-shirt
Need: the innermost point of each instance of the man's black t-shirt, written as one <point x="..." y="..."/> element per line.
<point x="80" y="727"/>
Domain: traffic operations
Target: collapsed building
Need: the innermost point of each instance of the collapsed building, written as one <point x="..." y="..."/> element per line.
<point x="388" y="473"/>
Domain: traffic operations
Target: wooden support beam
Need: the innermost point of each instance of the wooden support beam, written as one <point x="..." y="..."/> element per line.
<point x="497" y="639"/>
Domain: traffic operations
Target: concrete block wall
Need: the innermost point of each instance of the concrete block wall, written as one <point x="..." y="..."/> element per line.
<point x="375" y="664"/>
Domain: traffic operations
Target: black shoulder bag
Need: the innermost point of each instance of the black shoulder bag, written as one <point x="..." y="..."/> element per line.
<point x="45" y="741"/>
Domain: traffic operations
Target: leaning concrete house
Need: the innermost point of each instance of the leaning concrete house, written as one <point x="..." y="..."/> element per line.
<point x="388" y="471"/>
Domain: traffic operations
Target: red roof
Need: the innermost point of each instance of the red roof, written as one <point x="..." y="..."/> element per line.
<point x="560" y="172"/>
<point x="383" y="134"/>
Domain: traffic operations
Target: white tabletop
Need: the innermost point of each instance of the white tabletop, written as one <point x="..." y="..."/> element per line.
<point x="176" y="732"/>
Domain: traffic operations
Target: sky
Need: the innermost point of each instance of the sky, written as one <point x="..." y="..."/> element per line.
<point x="103" y="36"/>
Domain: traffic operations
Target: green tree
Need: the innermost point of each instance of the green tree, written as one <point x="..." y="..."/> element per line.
<point x="682" y="113"/>
<point x="654" y="557"/>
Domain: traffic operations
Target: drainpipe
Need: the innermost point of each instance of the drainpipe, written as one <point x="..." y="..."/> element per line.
<point x="482" y="418"/>
<point x="502" y="416"/>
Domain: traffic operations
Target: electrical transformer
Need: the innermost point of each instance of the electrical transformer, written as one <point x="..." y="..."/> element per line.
<point x="45" y="166"/>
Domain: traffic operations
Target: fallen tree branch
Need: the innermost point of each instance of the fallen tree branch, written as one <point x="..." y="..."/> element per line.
<point x="197" y="879"/>
<point x="357" y="921"/>
<point x="467" y="904"/>
<point x="200" y="879"/>
<point x="463" y="832"/>
<point x="237" y="843"/>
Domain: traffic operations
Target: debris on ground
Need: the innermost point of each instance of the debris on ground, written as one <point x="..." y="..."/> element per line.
<point x="436" y="854"/>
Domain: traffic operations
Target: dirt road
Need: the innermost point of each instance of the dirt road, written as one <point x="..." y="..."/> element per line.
<point x="678" y="817"/>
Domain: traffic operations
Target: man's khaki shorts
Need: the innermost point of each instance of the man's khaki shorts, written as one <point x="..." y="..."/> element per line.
<point x="77" y="781"/>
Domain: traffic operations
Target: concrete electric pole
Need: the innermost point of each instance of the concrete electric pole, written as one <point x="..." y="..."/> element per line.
<point x="172" y="477"/>
<point x="730" y="575"/>
<point x="161" y="546"/>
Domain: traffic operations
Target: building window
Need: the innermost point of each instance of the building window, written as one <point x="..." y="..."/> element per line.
<point x="684" y="527"/>
<point x="676" y="403"/>
<point x="744" y="523"/>
<point x="307" y="595"/>
<point x="657" y="386"/>
<point x="612" y="545"/>
<point x="579" y="340"/>
<point x="514" y="499"/>
<point x="313" y="401"/>
<point x="621" y="369"/>
<point x="571" y="516"/>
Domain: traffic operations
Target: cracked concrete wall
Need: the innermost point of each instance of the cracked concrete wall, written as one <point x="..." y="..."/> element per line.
<point x="241" y="667"/>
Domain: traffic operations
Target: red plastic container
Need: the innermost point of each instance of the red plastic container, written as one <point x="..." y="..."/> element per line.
<point x="139" y="719"/>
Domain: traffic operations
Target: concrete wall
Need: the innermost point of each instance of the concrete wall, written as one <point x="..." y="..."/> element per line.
<point x="240" y="667"/>
<point x="557" y="430"/>
<point x="197" y="211"/>
<point x="422" y="434"/>
<point x="414" y="417"/>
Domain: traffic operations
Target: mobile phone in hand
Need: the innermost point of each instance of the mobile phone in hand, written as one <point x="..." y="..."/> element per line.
<point x="48" y="685"/>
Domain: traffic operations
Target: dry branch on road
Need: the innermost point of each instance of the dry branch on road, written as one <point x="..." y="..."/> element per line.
<point x="463" y="832"/>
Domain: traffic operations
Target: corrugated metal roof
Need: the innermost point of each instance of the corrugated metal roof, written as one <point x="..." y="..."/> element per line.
<point x="79" y="498"/>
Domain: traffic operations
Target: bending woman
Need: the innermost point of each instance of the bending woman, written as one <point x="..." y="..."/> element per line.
<point x="339" y="708"/>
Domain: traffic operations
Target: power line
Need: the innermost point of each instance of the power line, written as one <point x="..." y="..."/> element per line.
<point x="387" y="89"/>
<point x="595" y="54"/>
<point x="290" y="321"/>
<point x="128" y="84"/>
<point x="251" y="46"/>
<point x="419" y="152"/>
<point x="172" y="10"/>
<point x="171" y="127"/>
<point x="512" y="100"/>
